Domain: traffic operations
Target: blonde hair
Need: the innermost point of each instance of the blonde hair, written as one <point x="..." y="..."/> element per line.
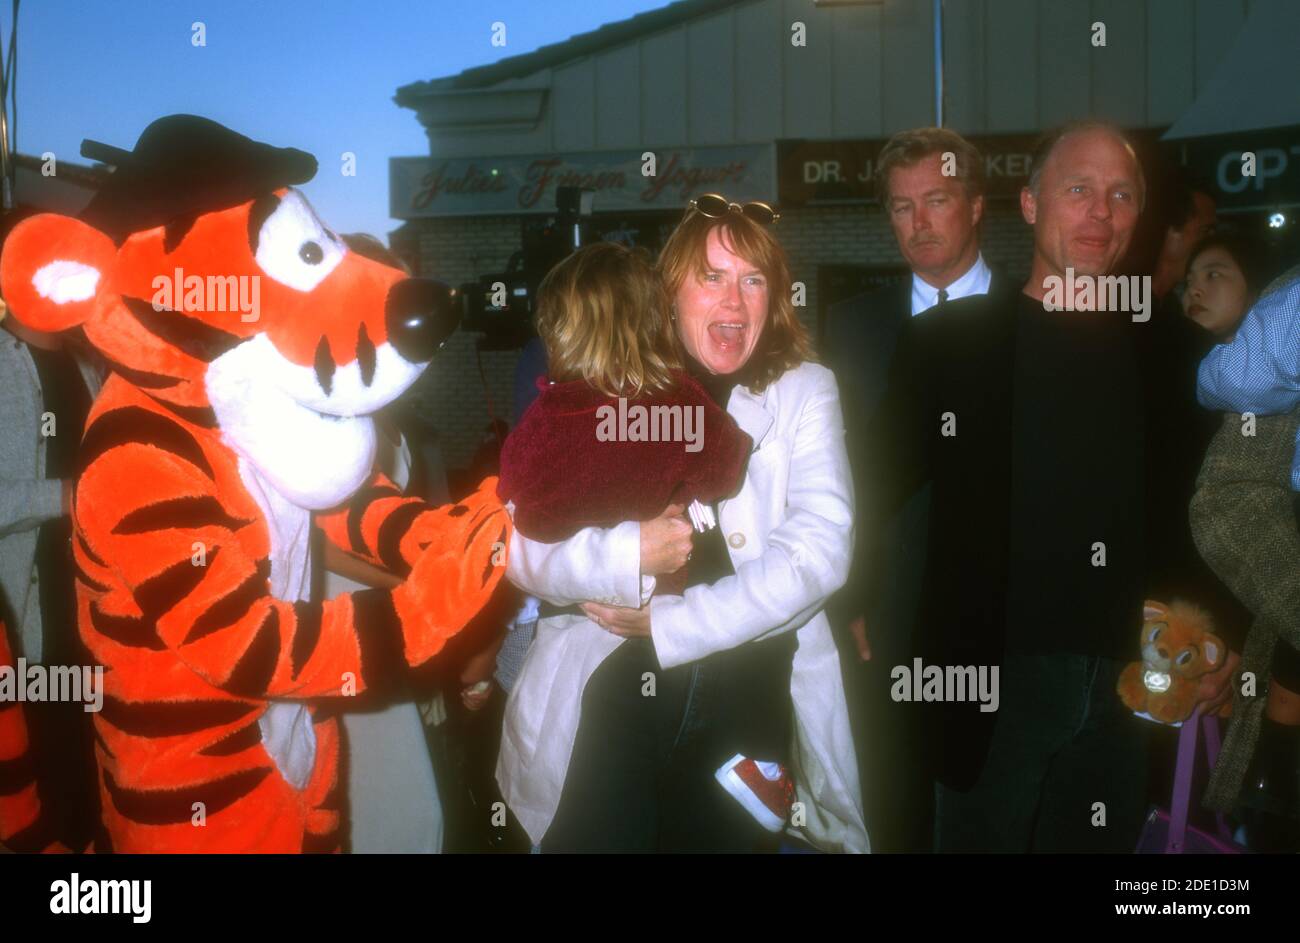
<point x="784" y="343"/>
<point x="603" y="315"/>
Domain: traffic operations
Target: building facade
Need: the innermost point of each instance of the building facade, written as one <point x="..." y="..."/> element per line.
<point x="781" y="100"/>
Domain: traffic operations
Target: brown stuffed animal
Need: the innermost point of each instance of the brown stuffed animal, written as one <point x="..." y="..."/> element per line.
<point x="1177" y="649"/>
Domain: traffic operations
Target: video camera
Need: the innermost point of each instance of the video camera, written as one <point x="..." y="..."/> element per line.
<point x="501" y="305"/>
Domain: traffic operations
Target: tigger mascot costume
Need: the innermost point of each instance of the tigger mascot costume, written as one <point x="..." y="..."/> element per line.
<point x="24" y="823"/>
<point x="225" y="433"/>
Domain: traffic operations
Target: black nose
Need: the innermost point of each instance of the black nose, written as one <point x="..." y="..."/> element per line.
<point x="420" y="315"/>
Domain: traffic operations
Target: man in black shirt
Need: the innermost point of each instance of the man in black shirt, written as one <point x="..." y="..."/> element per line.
<point x="1031" y="420"/>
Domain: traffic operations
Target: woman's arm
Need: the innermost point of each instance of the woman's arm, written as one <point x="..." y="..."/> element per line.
<point x="596" y="563"/>
<point x="806" y="560"/>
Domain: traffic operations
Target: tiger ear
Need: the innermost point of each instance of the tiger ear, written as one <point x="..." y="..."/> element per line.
<point x="52" y="269"/>
<point x="1153" y="610"/>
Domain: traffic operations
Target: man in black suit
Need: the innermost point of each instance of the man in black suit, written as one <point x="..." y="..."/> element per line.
<point x="1032" y="426"/>
<point x="931" y="185"/>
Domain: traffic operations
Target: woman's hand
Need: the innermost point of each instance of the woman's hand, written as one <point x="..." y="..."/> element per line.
<point x="1215" y="688"/>
<point x="665" y="542"/>
<point x="628" y="623"/>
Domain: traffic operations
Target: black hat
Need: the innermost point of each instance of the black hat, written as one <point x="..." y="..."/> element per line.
<point x="184" y="166"/>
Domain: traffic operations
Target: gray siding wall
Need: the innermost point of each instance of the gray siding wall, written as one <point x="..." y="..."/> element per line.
<point x="1011" y="65"/>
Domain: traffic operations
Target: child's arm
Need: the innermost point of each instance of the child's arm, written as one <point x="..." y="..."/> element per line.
<point x="1259" y="372"/>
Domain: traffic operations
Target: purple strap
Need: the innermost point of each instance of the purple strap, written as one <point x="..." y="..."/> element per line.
<point x="1183" y="773"/>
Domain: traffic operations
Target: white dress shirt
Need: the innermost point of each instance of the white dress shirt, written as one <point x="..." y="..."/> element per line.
<point x="975" y="282"/>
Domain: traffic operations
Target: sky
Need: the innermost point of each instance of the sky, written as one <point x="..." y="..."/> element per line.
<point x="318" y="76"/>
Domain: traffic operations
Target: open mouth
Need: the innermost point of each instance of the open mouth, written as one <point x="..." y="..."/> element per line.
<point x="331" y="417"/>
<point x="727" y="334"/>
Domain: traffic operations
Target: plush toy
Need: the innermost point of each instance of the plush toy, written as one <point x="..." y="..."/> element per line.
<point x="1177" y="649"/>
<point x="248" y="348"/>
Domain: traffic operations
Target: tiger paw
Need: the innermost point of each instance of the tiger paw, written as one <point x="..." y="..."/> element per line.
<point x="459" y="553"/>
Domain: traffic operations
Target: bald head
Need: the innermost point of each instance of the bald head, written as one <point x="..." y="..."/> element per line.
<point x="1084" y="195"/>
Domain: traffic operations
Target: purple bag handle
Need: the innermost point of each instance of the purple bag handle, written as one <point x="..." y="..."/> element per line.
<point x="1182" y="797"/>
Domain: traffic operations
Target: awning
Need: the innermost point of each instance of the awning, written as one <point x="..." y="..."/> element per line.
<point x="1257" y="85"/>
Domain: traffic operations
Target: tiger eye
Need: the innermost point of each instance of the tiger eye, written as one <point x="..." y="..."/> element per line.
<point x="310" y="252"/>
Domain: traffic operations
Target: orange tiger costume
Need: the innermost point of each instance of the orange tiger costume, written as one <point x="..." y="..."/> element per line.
<point x="204" y="456"/>
<point x="23" y="824"/>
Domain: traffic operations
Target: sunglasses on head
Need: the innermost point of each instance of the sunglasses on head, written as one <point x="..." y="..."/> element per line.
<point x="716" y="206"/>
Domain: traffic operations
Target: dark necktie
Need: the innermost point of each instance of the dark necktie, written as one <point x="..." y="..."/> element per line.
<point x="943" y="295"/>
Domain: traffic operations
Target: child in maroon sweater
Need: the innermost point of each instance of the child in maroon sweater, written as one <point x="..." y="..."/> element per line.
<point x="619" y="431"/>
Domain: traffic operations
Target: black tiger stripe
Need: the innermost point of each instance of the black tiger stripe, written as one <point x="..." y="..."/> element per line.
<point x="176" y="806"/>
<point x="324" y="365"/>
<point x="459" y="510"/>
<point x="326" y="844"/>
<point x="242" y="739"/>
<point x="80" y="572"/>
<point x="179" y="513"/>
<point x="35" y="838"/>
<point x="253" y="672"/>
<point x="262" y="207"/>
<point x="232" y="607"/>
<point x="103" y="744"/>
<point x="357" y="511"/>
<point x="131" y="631"/>
<point x="157" y="595"/>
<point x="203" y="416"/>
<point x="307" y="615"/>
<point x="469" y="541"/>
<point x="171" y="718"/>
<point x="365" y="355"/>
<point x="136" y="425"/>
<point x="189" y="335"/>
<point x="85" y="548"/>
<point x="17" y="774"/>
<point x="388" y="543"/>
<point x="379" y="635"/>
<point x="141" y="378"/>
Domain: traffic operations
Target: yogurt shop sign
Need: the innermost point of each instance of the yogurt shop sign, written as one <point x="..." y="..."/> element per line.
<point x="467" y="186"/>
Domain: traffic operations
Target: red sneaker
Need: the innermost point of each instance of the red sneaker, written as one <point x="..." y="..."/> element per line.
<point x="765" y="790"/>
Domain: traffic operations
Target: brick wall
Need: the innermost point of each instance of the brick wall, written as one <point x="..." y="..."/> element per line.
<point x="451" y="394"/>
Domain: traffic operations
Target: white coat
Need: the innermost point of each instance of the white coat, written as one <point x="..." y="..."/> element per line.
<point x="789" y="533"/>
